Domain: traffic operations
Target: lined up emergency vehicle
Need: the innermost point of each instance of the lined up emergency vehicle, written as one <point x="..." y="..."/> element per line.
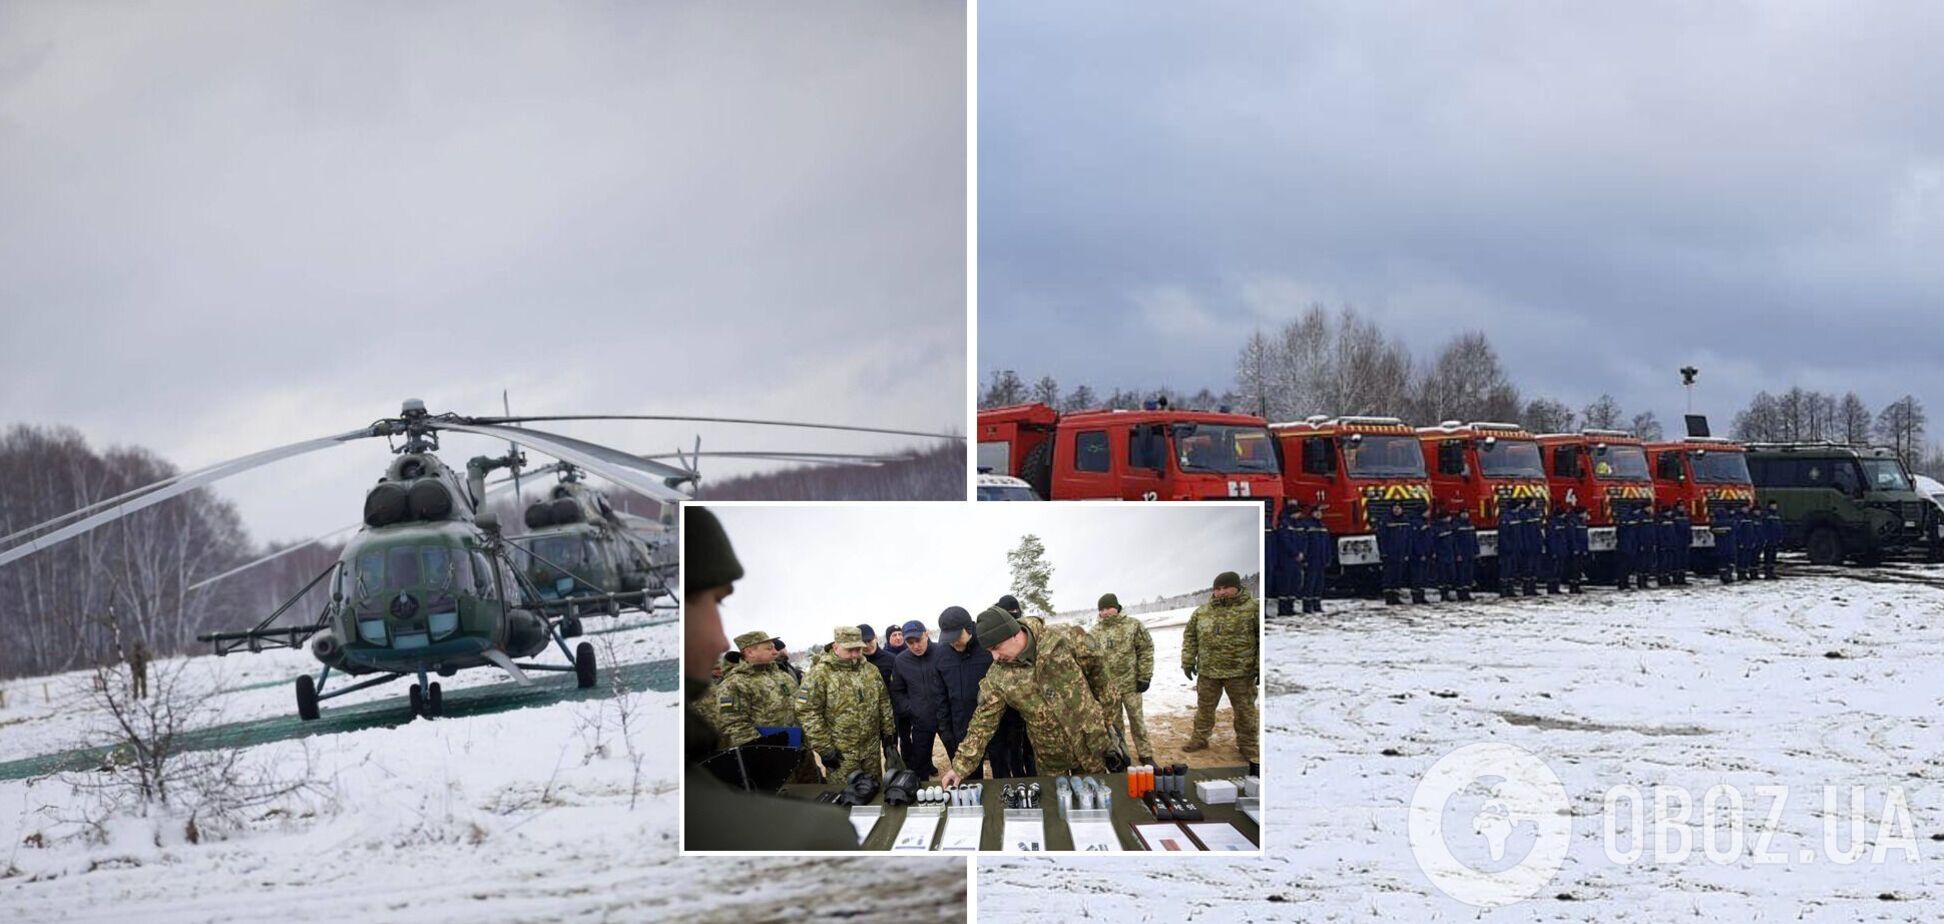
<point x="1481" y="466"/>
<point x="1602" y="471"/>
<point x="1357" y="466"/>
<point x="1703" y="474"/>
<point x="1156" y="453"/>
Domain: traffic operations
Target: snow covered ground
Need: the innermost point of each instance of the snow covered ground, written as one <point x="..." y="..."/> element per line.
<point x="1801" y="683"/>
<point x="530" y="814"/>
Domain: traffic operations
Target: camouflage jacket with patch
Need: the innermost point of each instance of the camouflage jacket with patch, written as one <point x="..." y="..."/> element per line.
<point x="1056" y="685"/>
<point x="843" y="705"/>
<point x="754" y="695"/>
<point x="1126" y="651"/>
<point x="1220" y="641"/>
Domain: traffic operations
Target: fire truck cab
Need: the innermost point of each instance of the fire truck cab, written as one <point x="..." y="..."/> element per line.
<point x="1702" y="474"/>
<point x="1351" y="464"/>
<point x="1481" y="466"/>
<point x="1601" y="471"/>
<point x="1156" y="453"/>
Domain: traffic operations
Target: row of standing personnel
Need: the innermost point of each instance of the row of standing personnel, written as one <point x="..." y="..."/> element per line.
<point x="1418" y="554"/>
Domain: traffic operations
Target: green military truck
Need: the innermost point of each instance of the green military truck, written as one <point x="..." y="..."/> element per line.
<point x="1842" y="502"/>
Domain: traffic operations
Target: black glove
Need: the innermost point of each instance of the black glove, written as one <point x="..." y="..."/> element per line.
<point x="1115" y="760"/>
<point x="1189" y="670"/>
<point x="831" y="758"/>
<point x="890" y="742"/>
<point x="1140" y="686"/>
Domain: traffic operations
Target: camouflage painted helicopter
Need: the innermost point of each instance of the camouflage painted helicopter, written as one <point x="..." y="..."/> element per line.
<point x="428" y="585"/>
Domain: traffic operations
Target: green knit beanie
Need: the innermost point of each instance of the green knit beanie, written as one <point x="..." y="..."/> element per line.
<point x="995" y="626"/>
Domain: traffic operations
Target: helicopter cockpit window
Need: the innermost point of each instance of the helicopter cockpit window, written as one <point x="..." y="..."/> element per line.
<point x="371" y="575"/>
<point x="402" y="566"/>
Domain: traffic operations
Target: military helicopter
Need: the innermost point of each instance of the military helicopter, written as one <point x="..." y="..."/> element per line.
<point x="428" y="585"/>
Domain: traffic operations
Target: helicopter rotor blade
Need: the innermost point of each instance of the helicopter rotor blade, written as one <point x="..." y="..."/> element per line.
<point x="826" y="458"/>
<point x="629" y="471"/>
<point x="172" y="487"/>
<point x="730" y="420"/>
<point x="273" y="556"/>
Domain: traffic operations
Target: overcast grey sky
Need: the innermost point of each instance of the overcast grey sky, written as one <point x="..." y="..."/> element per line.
<point x="227" y="226"/>
<point x="810" y="569"/>
<point x="1610" y="191"/>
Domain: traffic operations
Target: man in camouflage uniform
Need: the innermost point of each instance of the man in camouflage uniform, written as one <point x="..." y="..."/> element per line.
<point x="756" y="695"/>
<point x="1056" y="681"/>
<point x="1127" y="653"/>
<point x="1219" y="651"/>
<point x="845" y="711"/>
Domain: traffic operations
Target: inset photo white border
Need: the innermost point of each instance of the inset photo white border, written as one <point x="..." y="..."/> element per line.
<point x="810" y="567"/>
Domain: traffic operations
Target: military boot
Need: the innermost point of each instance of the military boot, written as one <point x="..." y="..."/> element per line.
<point x="1532" y="587"/>
<point x="1316" y="605"/>
<point x="1285" y="606"/>
<point x="1464" y="595"/>
<point x="1574" y="588"/>
<point x="1195" y="744"/>
<point x="1444" y="595"/>
<point x="1552" y="588"/>
<point x="1391" y="598"/>
<point x="1417" y="595"/>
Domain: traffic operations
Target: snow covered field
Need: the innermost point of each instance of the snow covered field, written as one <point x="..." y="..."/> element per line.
<point x="529" y="814"/>
<point x="1801" y="683"/>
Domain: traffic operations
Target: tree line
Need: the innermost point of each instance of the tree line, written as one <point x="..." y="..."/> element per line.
<point x="1339" y="362"/>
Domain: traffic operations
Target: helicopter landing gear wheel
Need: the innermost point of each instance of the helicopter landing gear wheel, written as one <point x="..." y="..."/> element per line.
<point x="417" y="698"/>
<point x="584" y="665"/>
<point x="434" y="700"/>
<point x="307" y="698"/>
<point x="570" y="627"/>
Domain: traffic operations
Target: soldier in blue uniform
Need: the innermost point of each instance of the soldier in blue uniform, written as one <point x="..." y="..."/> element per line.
<point x="1509" y="556"/>
<point x="1317" y="547"/>
<point x="1420" y="554"/>
<point x="1683" y="540"/>
<point x="1464" y="551"/>
<point x="1394" y="551"/>
<point x="1726" y="528"/>
<point x="1626" y="546"/>
<point x="1579" y="549"/>
<point x="1559" y="549"/>
<point x="1771" y="539"/>
<point x="1646" y="546"/>
<point x="1749" y="542"/>
<point x="1444" y="554"/>
<point x="1286" y="559"/>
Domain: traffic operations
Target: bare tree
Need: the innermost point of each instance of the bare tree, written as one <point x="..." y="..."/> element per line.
<point x="1900" y="426"/>
<point x="1853" y="420"/>
<point x="1603" y="413"/>
<point x="1647" y="426"/>
<point x="1252" y="375"/>
<point x="1081" y="398"/>
<point x="1464" y="382"/>
<point x="1047" y="391"/>
<point x="1005" y="388"/>
<point x="1544" y="415"/>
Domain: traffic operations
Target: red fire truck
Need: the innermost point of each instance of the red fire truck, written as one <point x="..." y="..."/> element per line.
<point x="1604" y="471"/>
<point x="1483" y="465"/>
<point x="1156" y="453"/>
<point x="1352" y="464"/>
<point x="1703" y="474"/>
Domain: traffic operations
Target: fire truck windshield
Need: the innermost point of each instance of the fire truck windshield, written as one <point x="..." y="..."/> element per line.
<point x="1620" y="463"/>
<point x="1384" y="457"/>
<point x="1720" y="467"/>
<point x="1510" y="459"/>
<point x="1223" y="448"/>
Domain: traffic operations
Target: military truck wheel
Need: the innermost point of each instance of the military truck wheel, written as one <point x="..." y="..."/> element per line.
<point x="435" y="700"/>
<point x="584" y="665"/>
<point x="1037" y="470"/>
<point x="307" y="698"/>
<point x="417" y="698"/>
<point x="1825" y="546"/>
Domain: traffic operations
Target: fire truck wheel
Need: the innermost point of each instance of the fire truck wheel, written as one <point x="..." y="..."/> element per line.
<point x="1037" y="470"/>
